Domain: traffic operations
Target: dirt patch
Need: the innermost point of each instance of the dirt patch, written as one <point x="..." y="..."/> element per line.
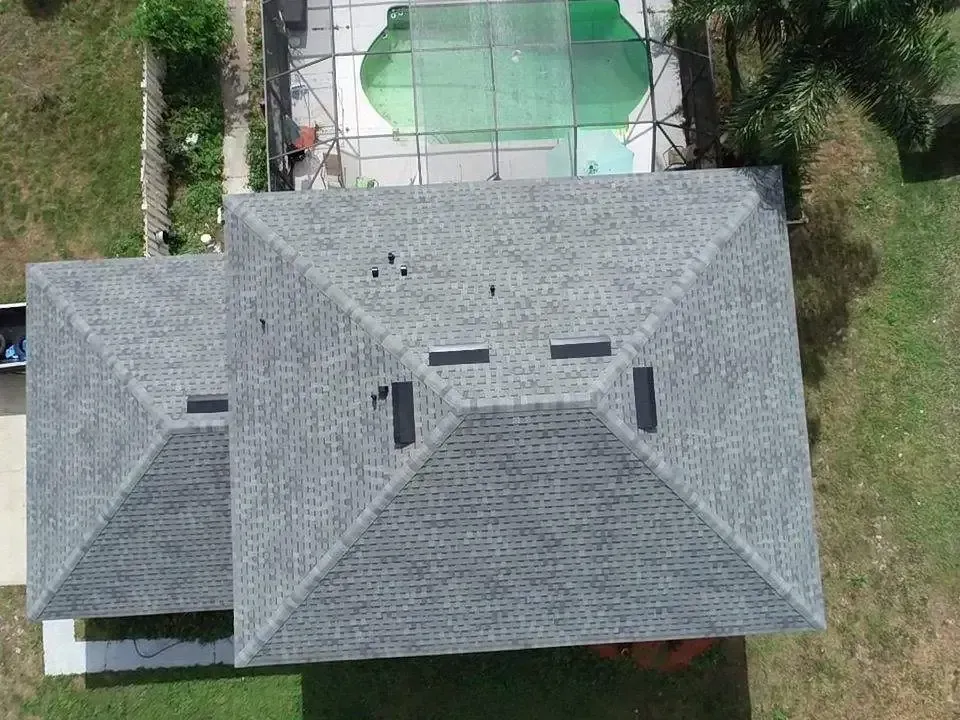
<point x="21" y="653"/>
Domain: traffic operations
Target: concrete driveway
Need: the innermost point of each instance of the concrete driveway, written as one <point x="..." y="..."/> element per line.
<point x="13" y="452"/>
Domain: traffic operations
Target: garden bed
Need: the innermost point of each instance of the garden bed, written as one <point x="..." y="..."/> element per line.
<point x="193" y="145"/>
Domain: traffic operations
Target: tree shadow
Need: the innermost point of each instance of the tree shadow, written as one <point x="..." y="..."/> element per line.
<point x="527" y="685"/>
<point x="830" y="268"/>
<point x="43" y="9"/>
<point x="942" y="160"/>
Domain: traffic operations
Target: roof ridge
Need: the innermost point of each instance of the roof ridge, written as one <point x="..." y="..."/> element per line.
<point x="658" y="465"/>
<point x="674" y="294"/>
<point x="133" y="478"/>
<point x="401" y="478"/>
<point x="390" y="341"/>
<point x="92" y="339"/>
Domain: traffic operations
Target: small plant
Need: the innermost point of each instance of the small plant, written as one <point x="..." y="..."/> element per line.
<point x="193" y="213"/>
<point x="779" y="714"/>
<point x="194" y="28"/>
<point x="859" y="581"/>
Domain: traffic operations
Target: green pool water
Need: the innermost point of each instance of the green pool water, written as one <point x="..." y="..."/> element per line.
<point x="467" y="68"/>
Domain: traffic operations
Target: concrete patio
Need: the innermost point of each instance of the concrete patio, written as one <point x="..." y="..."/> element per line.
<point x="13" y="527"/>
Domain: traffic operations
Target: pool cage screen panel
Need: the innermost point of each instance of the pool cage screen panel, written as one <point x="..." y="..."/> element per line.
<point x="492" y="83"/>
<point x="277" y="96"/>
<point x="487" y="75"/>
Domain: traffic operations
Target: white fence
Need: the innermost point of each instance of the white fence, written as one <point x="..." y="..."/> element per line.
<point x="153" y="165"/>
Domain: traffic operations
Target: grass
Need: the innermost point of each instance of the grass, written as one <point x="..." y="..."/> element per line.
<point x="69" y="134"/>
<point x="878" y="289"/>
<point x="200" y="627"/>
<point x="878" y="278"/>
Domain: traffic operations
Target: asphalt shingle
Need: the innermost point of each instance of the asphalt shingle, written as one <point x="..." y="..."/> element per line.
<point x="335" y="529"/>
<point x="115" y="469"/>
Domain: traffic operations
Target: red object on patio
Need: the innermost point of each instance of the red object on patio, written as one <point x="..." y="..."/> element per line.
<point x="307" y="139"/>
<point x="668" y="656"/>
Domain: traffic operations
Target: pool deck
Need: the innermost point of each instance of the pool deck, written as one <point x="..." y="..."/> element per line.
<point x="368" y="148"/>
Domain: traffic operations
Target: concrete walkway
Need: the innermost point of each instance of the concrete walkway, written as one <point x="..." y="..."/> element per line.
<point x="63" y="654"/>
<point x="13" y="451"/>
<point x="235" y="91"/>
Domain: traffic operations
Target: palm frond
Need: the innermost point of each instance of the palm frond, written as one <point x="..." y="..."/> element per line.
<point x="896" y="107"/>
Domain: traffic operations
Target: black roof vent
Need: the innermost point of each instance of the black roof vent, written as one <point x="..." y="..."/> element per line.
<point x="391" y="257"/>
<point x="375" y="271"/>
<point x="460" y="354"/>
<point x="579" y="347"/>
<point x="197" y="404"/>
<point x="404" y="429"/>
<point x="645" y="399"/>
<point x="403" y="270"/>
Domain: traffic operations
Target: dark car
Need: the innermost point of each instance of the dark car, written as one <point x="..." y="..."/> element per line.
<point x="13" y="337"/>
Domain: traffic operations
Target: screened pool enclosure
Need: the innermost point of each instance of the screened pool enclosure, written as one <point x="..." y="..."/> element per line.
<point x="364" y="93"/>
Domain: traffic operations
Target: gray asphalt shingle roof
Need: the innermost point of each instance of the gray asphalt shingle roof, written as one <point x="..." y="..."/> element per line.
<point x="127" y="497"/>
<point x="531" y="511"/>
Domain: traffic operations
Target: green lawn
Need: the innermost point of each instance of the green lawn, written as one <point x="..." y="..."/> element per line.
<point x="883" y="360"/>
<point x="69" y="134"/>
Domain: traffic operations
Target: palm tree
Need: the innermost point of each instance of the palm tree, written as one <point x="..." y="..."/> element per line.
<point x="889" y="57"/>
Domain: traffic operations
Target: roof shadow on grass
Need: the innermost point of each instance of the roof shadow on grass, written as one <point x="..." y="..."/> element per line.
<point x="182" y="674"/>
<point x="528" y="685"/>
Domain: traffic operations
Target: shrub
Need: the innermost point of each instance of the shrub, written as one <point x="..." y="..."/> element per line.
<point x="194" y="158"/>
<point x="257" y="153"/>
<point x="196" y="28"/>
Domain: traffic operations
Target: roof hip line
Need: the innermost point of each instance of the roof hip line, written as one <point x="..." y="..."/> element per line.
<point x="339" y="549"/>
<point x="104" y="517"/>
<point x="391" y="342"/>
<point x="663" y="470"/>
<point x="630" y="346"/>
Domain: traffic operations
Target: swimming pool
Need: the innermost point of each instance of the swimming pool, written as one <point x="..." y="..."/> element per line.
<point x="469" y="68"/>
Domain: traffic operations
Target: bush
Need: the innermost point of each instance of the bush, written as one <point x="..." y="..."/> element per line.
<point x="257" y="153"/>
<point x="196" y="28"/>
<point x="194" y="159"/>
